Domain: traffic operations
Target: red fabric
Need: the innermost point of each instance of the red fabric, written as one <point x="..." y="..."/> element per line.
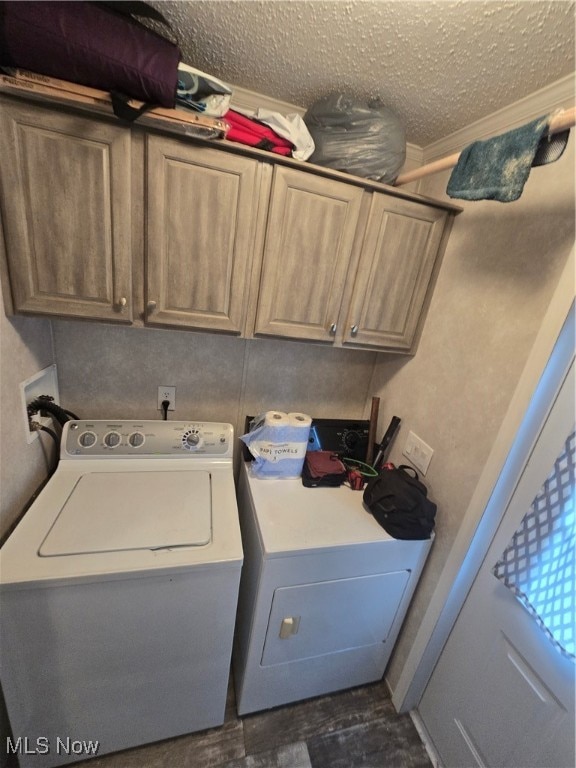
<point x="245" y="130"/>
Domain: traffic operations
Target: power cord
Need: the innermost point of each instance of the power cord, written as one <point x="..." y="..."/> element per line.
<point x="165" y="406"/>
<point x="53" y="435"/>
<point x="46" y="404"/>
<point x="368" y="471"/>
<point x="34" y="425"/>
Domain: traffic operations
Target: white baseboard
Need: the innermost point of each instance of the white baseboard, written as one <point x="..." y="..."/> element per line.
<point x="422" y="732"/>
<point x="426" y="740"/>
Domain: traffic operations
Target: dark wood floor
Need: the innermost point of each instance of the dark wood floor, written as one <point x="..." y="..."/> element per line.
<point x="358" y="728"/>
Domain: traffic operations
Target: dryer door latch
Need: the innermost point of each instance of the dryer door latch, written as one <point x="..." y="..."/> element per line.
<point x="289" y="627"/>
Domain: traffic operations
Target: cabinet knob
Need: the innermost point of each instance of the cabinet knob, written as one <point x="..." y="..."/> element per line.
<point x="333" y="328"/>
<point x="354" y="330"/>
<point x="122" y="303"/>
<point x="151" y="306"/>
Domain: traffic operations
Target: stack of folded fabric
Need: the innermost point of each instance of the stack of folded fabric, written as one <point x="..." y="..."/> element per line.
<point x="265" y="129"/>
<point x="201" y="92"/>
<point x="323" y="469"/>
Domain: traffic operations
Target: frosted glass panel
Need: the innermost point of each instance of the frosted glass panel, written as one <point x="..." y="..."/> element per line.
<point x="539" y="563"/>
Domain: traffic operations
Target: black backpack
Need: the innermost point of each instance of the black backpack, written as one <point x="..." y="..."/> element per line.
<point x="398" y="501"/>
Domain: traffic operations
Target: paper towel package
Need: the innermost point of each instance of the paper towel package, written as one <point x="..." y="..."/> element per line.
<point x="278" y="442"/>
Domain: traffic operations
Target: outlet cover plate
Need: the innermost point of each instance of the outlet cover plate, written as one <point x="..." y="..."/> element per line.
<point x="45" y="382"/>
<point x="167" y="393"/>
<point x="418" y="452"/>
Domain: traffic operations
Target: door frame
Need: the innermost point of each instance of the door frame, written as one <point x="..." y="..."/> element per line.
<point x="541" y="378"/>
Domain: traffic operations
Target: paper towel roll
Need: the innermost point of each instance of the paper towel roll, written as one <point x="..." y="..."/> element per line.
<point x="276" y="419"/>
<point x="278" y="443"/>
<point x="300" y="420"/>
<point x="269" y="419"/>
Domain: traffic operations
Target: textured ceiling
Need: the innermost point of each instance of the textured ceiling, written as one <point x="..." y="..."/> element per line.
<point x="439" y="64"/>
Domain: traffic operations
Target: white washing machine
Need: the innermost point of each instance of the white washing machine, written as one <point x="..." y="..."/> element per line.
<point x="119" y="591"/>
<point x="323" y="595"/>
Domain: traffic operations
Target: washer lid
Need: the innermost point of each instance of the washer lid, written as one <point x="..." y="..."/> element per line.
<point x="115" y="511"/>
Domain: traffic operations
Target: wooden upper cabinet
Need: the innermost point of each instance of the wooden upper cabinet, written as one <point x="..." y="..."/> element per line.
<point x="98" y="216"/>
<point x="65" y="196"/>
<point x="311" y="227"/>
<point x="400" y="246"/>
<point x="201" y="213"/>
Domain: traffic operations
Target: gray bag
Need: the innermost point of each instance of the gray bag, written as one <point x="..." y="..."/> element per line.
<point x="363" y="139"/>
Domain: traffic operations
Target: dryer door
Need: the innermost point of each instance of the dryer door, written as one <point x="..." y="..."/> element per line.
<point x="326" y="617"/>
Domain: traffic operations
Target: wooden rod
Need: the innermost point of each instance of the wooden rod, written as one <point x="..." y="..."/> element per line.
<point x="372" y="429"/>
<point x="562" y="121"/>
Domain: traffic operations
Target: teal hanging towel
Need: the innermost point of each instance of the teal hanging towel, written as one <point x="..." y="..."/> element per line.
<point x="498" y="168"/>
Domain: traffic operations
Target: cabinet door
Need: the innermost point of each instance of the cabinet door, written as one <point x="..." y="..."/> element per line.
<point x="65" y="199"/>
<point x="202" y="206"/>
<point x="401" y="243"/>
<point x="311" y="226"/>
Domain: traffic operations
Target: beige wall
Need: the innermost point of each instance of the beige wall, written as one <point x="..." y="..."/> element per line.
<point x="105" y="372"/>
<point x="501" y="266"/>
<point x="25" y="348"/>
<point x="112" y="372"/>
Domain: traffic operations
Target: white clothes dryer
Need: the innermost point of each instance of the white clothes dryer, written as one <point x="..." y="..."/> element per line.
<point x="323" y="595"/>
<point x="119" y="591"/>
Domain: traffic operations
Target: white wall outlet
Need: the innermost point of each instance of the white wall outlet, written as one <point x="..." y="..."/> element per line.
<point x="167" y="393"/>
<point x="417" y="452"/>
<point x="45" y="382"/>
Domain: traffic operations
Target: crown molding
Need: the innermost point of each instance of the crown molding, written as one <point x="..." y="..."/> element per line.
<point x="250" y="101"/>
<point x="414" y="155"/>
<point x="558" y="95"/>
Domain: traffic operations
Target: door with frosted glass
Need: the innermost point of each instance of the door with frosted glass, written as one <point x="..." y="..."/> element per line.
<point x="502" y="693"/>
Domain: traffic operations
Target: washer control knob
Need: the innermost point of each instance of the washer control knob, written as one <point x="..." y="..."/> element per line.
<point x="192" y="439"/>
<point x="112" y="439"/>
<point x="136" y="439"/>
<point x="87" y="439"/>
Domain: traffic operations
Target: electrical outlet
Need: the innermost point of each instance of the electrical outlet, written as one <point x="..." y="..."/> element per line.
<point x="167" y="393"/>
<point x="45" y="382"/>
<point x="418" y="452"/>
